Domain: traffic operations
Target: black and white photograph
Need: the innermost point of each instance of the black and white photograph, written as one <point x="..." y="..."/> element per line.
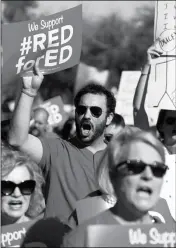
<point x="88" y="123"/>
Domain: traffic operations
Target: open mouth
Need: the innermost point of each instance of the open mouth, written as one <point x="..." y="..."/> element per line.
<point x="15" y="204"/>
<point x="86" y="128"/>
<point x="144" y="190"/>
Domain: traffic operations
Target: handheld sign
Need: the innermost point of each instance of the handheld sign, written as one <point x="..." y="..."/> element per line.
<point x="34" y="234"/>
<point x="156" y="235"/>
<point x="162" y="81"/>
<point x="124" y="97"/>
<point x="13" y="235"/>
<point x="55" y="41"/>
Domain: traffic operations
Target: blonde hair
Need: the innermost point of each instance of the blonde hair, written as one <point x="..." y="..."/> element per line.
<point x="117" y="152"/>
<point x="10" y="159"/>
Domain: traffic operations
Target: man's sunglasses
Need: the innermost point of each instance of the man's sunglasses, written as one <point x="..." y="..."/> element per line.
<point x="95" y="111"/>
<point x="136" y="167"/>
<point x="26" y="188"/>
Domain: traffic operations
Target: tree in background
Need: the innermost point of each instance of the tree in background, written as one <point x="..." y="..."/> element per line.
<point x="140" y="37"/>
<point x="16" y="11"/>
<point x="119" y="45"/>
<point x="111" y="43"/>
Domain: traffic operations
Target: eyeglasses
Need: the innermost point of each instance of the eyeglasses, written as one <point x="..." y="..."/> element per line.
<point x="95" y="111"/>
<point x="137" y="167"/>
<point x="26" y="188"/>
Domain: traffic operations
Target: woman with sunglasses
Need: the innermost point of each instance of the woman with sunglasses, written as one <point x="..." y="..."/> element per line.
<point x="21" y="188"/>
<point x="134" y="177"/>
<point x="165" y="127"/>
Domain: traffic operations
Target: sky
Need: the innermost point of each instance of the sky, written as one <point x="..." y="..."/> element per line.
<point x="94" y="9"/>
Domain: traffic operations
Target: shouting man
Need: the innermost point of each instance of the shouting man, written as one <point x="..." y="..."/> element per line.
<point x="69" y="167"/>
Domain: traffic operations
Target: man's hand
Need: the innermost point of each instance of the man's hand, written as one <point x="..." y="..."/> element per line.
<point x="154" y="52"/>
<point x="32" y="84"/>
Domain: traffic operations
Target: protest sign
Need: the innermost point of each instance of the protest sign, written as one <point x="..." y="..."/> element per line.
<point x="34" y="234"/>
<point x="55" y="108"/>
<point x="86" y="73"/>
<point x="160" y="235"/>
<point x="162" y="81"/>
<point x="13" y="235"/>
<point x="54" y="41"/>
<point x="124" y="97"/>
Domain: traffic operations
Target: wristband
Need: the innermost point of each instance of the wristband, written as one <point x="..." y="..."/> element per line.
<point x="28" y="94"/>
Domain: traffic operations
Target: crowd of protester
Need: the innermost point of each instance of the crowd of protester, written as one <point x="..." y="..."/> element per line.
<point x="130" y="170"/>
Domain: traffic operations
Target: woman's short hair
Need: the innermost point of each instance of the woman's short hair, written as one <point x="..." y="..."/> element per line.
<point x="10" y="159"/>
<point x="118" y="151"/>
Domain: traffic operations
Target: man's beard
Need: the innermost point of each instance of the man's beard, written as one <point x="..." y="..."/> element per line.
<point x="94" y="133"/>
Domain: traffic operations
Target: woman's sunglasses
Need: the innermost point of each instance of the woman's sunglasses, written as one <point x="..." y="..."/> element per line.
<point x="95" y="111"/>
<point x="26" y="188"/>
<point x="137" y="167"/>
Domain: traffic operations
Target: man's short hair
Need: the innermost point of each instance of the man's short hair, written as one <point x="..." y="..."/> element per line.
<point x="118" y="120"/>
<point x="97" y="89"/>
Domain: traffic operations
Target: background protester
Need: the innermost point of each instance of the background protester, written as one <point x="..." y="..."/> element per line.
<point x="166" y="128"/>
<point x="40" y="126"/>
<point x="69" y="129"/>
<point x="40" y="122"/>
<point x="134" y="176"/>
<point x="21" y="188"/>
<point x="116" y="125"/>
<point x="69" y="167"/>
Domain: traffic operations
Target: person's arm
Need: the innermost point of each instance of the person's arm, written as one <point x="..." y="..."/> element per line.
<point x="139" y="97"/>
<point x="18" y="134"/>
<point x="139" y="113"/>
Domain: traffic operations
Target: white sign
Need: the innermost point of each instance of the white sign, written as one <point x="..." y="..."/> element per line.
<point x="162" y="82"/>
<point x="125" y="95"/>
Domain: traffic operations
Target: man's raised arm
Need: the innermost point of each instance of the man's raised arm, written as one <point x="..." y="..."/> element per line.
<point x="139" y="113"/>
<point x="19" y="127"/>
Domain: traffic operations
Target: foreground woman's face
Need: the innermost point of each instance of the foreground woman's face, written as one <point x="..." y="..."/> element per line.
<point x="14" y="206"/>
<point x="139" y="191"/>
